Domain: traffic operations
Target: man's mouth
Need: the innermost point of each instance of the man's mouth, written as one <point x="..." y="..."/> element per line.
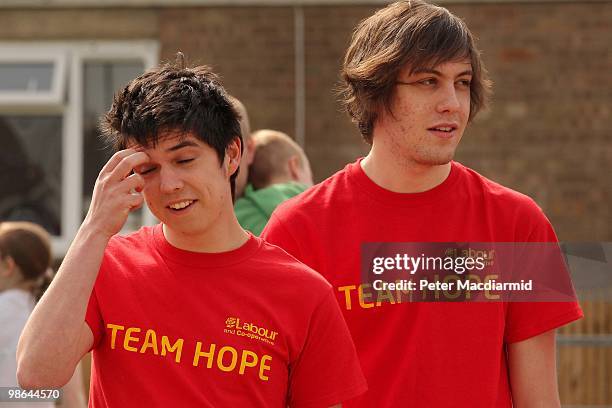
<point x="446" y="129"/>
<point x="442" y="129"/>
<point x="181" y="205"/>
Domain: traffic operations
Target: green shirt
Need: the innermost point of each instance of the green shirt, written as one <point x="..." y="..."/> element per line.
<point x="255" y="208"/>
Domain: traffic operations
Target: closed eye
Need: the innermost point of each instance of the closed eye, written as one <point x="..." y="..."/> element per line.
<point x="184" y="161"/>
<point x="146" y="171"/>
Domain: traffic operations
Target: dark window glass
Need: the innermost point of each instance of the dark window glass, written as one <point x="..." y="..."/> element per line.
<point x="101" y="81"/>
<point x="31" y="169"/>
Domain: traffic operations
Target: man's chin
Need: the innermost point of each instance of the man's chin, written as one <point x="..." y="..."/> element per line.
<point x="435" y="160"/>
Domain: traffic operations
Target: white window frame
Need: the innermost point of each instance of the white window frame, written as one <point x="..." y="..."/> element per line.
<point x="74" y="55"/>
<point x="52" y="97"/>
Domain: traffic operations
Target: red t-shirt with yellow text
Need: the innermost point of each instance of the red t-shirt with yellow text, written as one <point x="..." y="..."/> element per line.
<point x="419" y="354"/>
<point x="250" y="327"/>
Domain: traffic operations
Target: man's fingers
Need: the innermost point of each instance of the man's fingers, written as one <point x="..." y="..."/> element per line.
<point x="134" y="185"/>
<point x="134" y="182"/>
<point x="115" y="159"/>
<point x="136" y="201"/>
<point x="127" y="164"/>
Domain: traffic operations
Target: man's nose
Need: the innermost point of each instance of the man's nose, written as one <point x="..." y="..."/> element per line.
<point x="449" y="99"/>
<point x="170" y="181"/>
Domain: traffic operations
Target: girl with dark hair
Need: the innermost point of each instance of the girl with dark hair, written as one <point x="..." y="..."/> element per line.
<point x="25" y="259"/>
<point x="25" y="271"/>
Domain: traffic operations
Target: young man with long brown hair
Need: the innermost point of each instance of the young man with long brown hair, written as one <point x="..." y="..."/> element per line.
<point x="412" y="81"/>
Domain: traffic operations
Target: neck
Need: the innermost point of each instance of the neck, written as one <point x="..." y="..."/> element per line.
<point x="223" y="236"/>
<point x="405" y="176"/>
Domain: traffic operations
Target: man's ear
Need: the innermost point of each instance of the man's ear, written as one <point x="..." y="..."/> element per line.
<point x="232" y="156"/>
<point x="250" y="149"/>
<point x="294" y="167"/>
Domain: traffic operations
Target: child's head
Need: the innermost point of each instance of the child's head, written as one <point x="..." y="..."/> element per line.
<point x="25" y="256"/>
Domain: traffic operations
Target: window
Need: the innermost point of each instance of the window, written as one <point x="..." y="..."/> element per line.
<point x="51" y="98"/>
<point x="100" y="81"/>
<point x="32" y="79"/>
<point x="30" y="175"/>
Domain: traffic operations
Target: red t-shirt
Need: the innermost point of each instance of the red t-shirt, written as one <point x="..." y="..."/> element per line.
<point x="250" y="327"/>
<point x="419" y="354"/>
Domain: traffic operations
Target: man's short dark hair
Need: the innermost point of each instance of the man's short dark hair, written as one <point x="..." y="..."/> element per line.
<point x="173" y="98"/>
<point x="407" y="33"/>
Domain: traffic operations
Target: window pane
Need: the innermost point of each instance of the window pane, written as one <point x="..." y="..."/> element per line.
<point x="101" y="81"/>
<point x="31" y="170"/>
<point x="31" y="77"/>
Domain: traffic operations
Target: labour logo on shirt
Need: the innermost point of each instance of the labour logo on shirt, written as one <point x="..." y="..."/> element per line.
<point x="238" y="327"/>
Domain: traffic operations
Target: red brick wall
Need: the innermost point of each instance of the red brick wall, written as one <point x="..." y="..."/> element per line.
<point x="547" y="134"/>
<point x="251" y="47"/>
<point x="331" y="139"/>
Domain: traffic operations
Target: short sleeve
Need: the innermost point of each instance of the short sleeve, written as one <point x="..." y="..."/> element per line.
<point x="327" y="371"/>
<point x="277" y="234"/>
<point x="93" y="318"/>
<point x="529" y="319"/>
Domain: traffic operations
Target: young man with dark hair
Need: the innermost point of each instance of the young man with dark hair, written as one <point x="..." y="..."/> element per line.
<point x="193" y="312"/>
<point x="413" y="79"/>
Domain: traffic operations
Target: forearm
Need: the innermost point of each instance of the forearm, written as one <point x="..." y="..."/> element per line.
<point x="73" y="394"/>
<point x="52" y="341"/>
<point x="56" y="335"/>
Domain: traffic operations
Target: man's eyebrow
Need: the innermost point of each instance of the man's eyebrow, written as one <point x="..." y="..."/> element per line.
<point x="466" y="72"/>
<point x="438" y="73"/>
<point x="186" y="143"/>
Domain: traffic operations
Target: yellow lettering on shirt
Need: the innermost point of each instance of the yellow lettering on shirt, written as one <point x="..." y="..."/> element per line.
<point x="176" y="347"/>
<point x="347" y="295"/>
<point x="364" y="295"/>
<point x="488" y="293"/>
<point x="263" y="367"/>
<point x="150" y="341"/>
<point x="384" y="295"/>
<point x="244" y="360"/>
<point x="221" y="356"/>
<point x="128" y="338"/>
<point x="199" y="353"/>
<point x="114" y="328"/>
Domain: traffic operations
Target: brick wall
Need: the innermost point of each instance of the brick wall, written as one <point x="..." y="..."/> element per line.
<point x="76" y="24"/>
<point x="252" y="48"/>
<point x="331" y="139"/>
<point x="546" y="135"/>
